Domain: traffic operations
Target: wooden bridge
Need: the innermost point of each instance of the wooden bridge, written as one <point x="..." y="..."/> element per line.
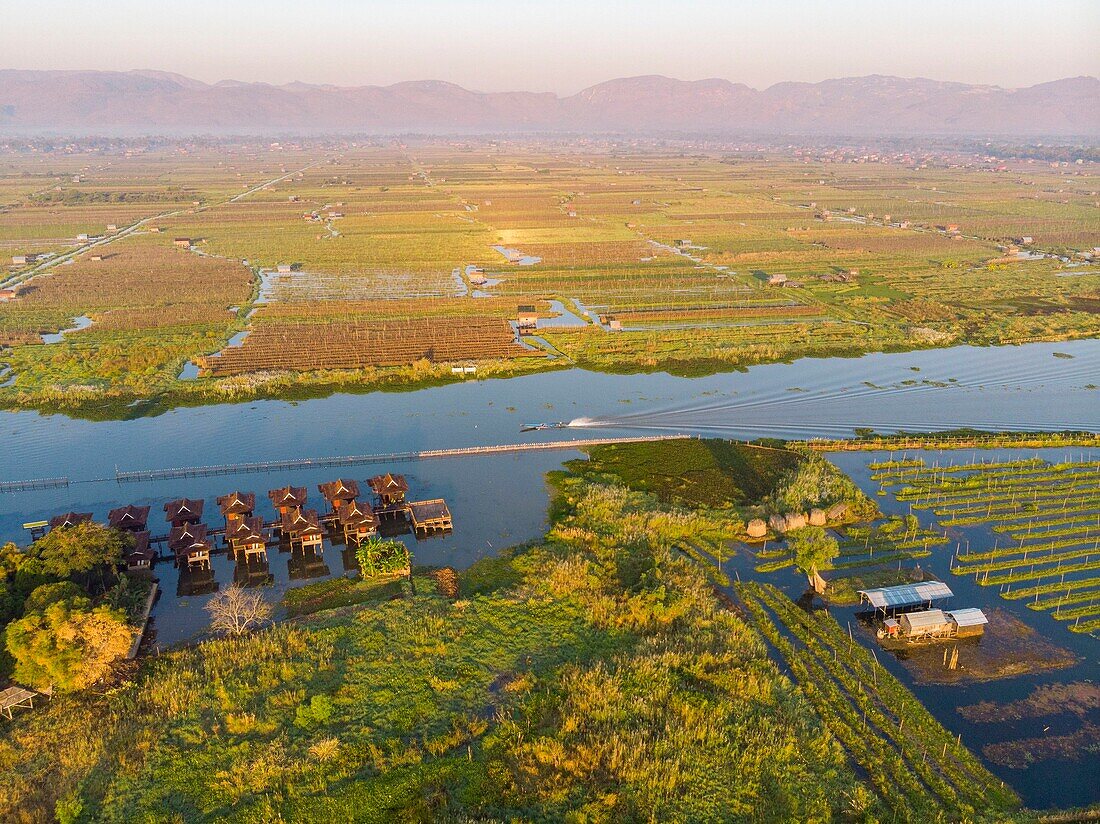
<point x="386" y="457"/>
<point x="35" y="483"/>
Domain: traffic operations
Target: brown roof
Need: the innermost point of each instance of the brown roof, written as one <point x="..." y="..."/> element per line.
<point x="288" y="496"/>
<point x="129" y="517"/>
<point x="356" y="513"/>
<point x="237" y="503"/>
<point x="302" y="522"/>
<point x="339" y="490"/>
<point x="388" y="484"/>
<point x="183" y="510"/>
<point x="141" y="550"/>
<point x="186" y="538"/>
<point x="70" y="519"/>
<point x="248" y="530"/>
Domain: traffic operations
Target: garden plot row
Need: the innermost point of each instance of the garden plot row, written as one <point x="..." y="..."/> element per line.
<point x="1048" y="517"/>
<point x="314" y="346"/>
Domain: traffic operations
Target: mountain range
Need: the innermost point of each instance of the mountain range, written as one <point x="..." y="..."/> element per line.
<point x="163" y="103"/>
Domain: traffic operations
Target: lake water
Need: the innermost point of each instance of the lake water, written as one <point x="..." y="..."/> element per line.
<point x="501" y="499"/>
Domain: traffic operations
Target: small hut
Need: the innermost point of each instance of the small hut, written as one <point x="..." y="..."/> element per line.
<point x="924" y="624"/>
<point x="236" y="507"/>
<point x="183" y="511"/>
<point x="246" y="538"/>
<point x="968" y="622"/>
<point x="190" y="545"/>
<point x="390" y="489"/>
<point x="357" y="521"/>
<point x="129" y="518"/>
<point x="70" y="519"/>
<point x="141" y="555"/>
<point x="339" y="492"/>
<point x="527" y="318"/>
<point x="287" y="499"/>
<point x="303" y="528"/>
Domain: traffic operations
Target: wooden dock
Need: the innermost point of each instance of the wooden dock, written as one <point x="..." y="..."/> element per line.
<point x="34" y="483"/>
<point x="381" y="458"/>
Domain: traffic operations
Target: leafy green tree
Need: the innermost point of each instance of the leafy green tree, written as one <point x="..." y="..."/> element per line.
<point x="813" y="548"/>
<point x="378" y="557"/>
<point x="86" y="551"/>
<point x="63" y="642"/>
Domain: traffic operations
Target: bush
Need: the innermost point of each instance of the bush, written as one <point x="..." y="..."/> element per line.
<point x="377" y="557"/>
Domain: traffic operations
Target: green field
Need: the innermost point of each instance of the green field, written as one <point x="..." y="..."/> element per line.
<point x="686" y="252"/>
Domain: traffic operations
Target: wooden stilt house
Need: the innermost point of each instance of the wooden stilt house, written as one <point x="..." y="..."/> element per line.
<point x="287" y="499"/>
<point x="183" y="511"/>
<point x="70" y="519"/>
<point x="129" y="518"/>
<point x="246" y="538"/>
<point x="357" y="521"/>
<point x="303" y="528"/>
<point x="141" y="555"/>
<point x="236" y="507"/>
<point x="190" y="545"/>
<point x="390" y="491"/>
<point x="339" y="492"/>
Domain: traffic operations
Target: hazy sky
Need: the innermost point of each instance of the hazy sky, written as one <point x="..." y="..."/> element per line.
<point x="560" y="45"/>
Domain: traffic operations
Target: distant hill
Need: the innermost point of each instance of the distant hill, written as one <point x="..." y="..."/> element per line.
<point x="161" y="102"/>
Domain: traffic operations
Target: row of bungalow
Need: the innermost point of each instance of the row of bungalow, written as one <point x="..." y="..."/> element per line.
<point x="246" y="535"/>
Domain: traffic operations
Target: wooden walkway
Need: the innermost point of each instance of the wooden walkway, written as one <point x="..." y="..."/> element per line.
<point x="387" y="457"/>
<point x="35" y="483"/>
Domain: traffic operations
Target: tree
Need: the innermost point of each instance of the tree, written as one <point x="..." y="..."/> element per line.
<point x="81" y="551"/>
<point x="236" y="610"/>
<point x="813" y="548"/>
<point x="63" y="642"/>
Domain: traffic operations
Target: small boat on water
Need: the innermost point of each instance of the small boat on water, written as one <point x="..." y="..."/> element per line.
<point x="536" y="427"/>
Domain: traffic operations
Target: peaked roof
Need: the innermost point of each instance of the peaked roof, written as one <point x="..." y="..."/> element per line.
<point x="356" y="512"/>
<point x="288" y="496"/>
<point x="237" y="503"/>
<point x="247" y="529"/>
<point x="70" y="519"/>
<point x="184" y="509"/>
<point x="340" y="489"/>
<point x="188" y="537"/>
<point x="925" y="618"/>
<point x="302" y="522"/>
<point x="968" y="617"/>
<point x="389" y="483"/>
<point x="128" y="517"/>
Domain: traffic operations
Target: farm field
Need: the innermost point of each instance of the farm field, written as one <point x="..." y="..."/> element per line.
<point x="384" y="263"/>
<point x="1046" y="517"/>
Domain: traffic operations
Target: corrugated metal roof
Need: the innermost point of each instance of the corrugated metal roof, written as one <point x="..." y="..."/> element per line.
<point x="969" y="617"/>
<point x="906" y="594"/>
<point x="925" y="619"/>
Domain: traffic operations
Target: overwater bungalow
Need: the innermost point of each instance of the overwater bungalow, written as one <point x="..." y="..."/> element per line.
<point x="141" y="555"/>
<point x="357" y="521"/>
<point x="190" y="545"/>
<point x="70" y="519"/>
<point x="934" y="625"/>
<point x="129" y="518"/>
<point x="339" y="492"/>
<point x="246" y="538"/>
<point x="236" y="507"/>
<point x="430" y="516"/>
<point x="287" y="499"/>
<point x="390" y="489"/>
<point x="183" y="511"/>
<point x="303" y="528"/>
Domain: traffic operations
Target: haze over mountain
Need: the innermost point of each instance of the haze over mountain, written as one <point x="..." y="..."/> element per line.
<point x="161" y="102"/>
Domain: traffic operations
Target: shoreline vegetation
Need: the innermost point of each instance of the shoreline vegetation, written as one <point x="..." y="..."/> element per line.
<point x="602" y="673"/>
<point x="96" y="401"/>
